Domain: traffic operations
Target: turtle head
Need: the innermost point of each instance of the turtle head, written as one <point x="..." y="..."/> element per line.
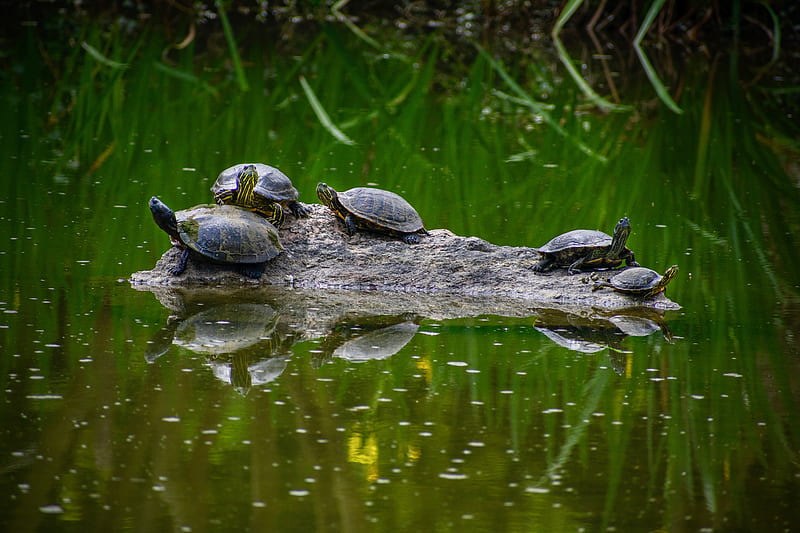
<point x="327" y="195"/>
<point x="164" y="217"/>
<point x="621" y="232"/>
<point x="669" y="274"/>
<point x="247" y="177"/>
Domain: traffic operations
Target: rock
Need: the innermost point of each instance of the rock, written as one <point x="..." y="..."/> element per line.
<point x="320" y="255"/>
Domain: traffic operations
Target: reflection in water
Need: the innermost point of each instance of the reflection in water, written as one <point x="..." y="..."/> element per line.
<point x="239" y="340"/>
<point x="642" y="326"/>
<point x="359" y="339"/>
<point x="596" y="333"/>
<point x="242" y="374"/>
<point x="378" y="344"/>
<point x="580" y="339"/>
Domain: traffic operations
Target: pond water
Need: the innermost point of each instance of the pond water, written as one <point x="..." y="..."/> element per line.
<point x="132" y="409"/>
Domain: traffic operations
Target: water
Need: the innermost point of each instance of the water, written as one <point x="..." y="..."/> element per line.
<point x="296" y="410"/>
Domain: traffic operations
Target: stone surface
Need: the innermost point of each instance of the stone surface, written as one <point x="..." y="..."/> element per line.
<point x="446" y="268"/>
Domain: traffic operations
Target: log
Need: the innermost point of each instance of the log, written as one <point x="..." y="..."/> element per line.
<point x="446" y="267"/>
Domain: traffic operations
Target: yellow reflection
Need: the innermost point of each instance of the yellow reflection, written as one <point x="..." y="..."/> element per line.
<point x="363" y="449"/>
<point x="413" y="453"/>
<point x="424" y="365"/>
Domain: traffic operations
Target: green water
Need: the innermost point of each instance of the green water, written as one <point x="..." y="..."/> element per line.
<point x="113" y="419"/>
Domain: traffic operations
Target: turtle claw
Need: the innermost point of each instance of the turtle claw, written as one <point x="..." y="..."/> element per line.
<point x="180" y="267"/>
<point x="299" y="210"/>
<point x="252" y="271"/>
<point x="411" y="238"/>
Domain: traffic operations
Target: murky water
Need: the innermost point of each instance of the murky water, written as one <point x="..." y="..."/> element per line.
<point x="313" y="410"/>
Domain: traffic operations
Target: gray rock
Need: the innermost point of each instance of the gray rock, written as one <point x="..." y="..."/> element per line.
<point x="320" y="255"/>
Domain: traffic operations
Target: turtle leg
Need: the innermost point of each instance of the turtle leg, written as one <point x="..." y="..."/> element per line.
<point x="629" y="259"/>
<point x="224" y="197"/>
<point x="273" y="212"/>
<point x="350" y="222"/>
<point x="411" y="238"/>
<point x="574" y="268"/>
<point x="299" y="210"/>
<point x="544" y="264"/>
<point x="601" y="284"/>
<point x="277" y="216"/>
<point x="251" y="270"/>
<point x="178" y="269"/>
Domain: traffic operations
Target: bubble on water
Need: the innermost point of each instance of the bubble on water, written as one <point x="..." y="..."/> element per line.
<point x="299" y="492"/>
<point x="537" y="490"/>
<point x="452" y="475"/>
<point x="51" y="509"/>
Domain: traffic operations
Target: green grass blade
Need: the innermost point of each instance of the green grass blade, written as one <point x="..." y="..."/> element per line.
<point x="598" y="100"/>
<point x="655" y="81"/>
<point x="95" y="53"/>
<point x="776" y="32"/>
<point x="336" y="11"/>
<point x="184" y="76"/>
<point x="322" y="115"/>
<point x="241" y="79"/>
<point x="536" y="106"/>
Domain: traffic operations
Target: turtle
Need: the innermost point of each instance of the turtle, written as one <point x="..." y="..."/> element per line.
<point x="584" y="249"/>
<point x="220" y="233"/>
<point x="375" y="210"/>
<point x="639" y="281"/>
<point x="260" y="188"/>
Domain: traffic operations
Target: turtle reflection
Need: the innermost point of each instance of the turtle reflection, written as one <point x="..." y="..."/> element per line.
<point x="583" y="339"/>
<point x="239" y="341"/>
<point x="596" y="333"/>
<point x="362" y="339"/>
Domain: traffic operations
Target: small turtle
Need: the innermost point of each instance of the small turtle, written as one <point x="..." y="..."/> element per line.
<point x="584" y="249"/>
<point x="220" y="233"/>
<point x="639" y="281"/>
<point x="260" y="188"/>
<point x="376" y="210"/>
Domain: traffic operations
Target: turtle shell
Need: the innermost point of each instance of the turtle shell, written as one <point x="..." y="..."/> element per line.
<point x="637" y="279"/>
<point x="228" y="234"/>
<point x="578" y="238"/>
<point x="384" y="209"/>
<point x="272" y="183"/>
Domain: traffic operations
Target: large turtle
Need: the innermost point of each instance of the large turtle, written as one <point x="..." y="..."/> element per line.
<point x="376" y="210"/>
<point x="220" y="233"/>
<point x="260" y="188"/>
<point x="584" y="249"/>
<point x="639" y="281"/>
